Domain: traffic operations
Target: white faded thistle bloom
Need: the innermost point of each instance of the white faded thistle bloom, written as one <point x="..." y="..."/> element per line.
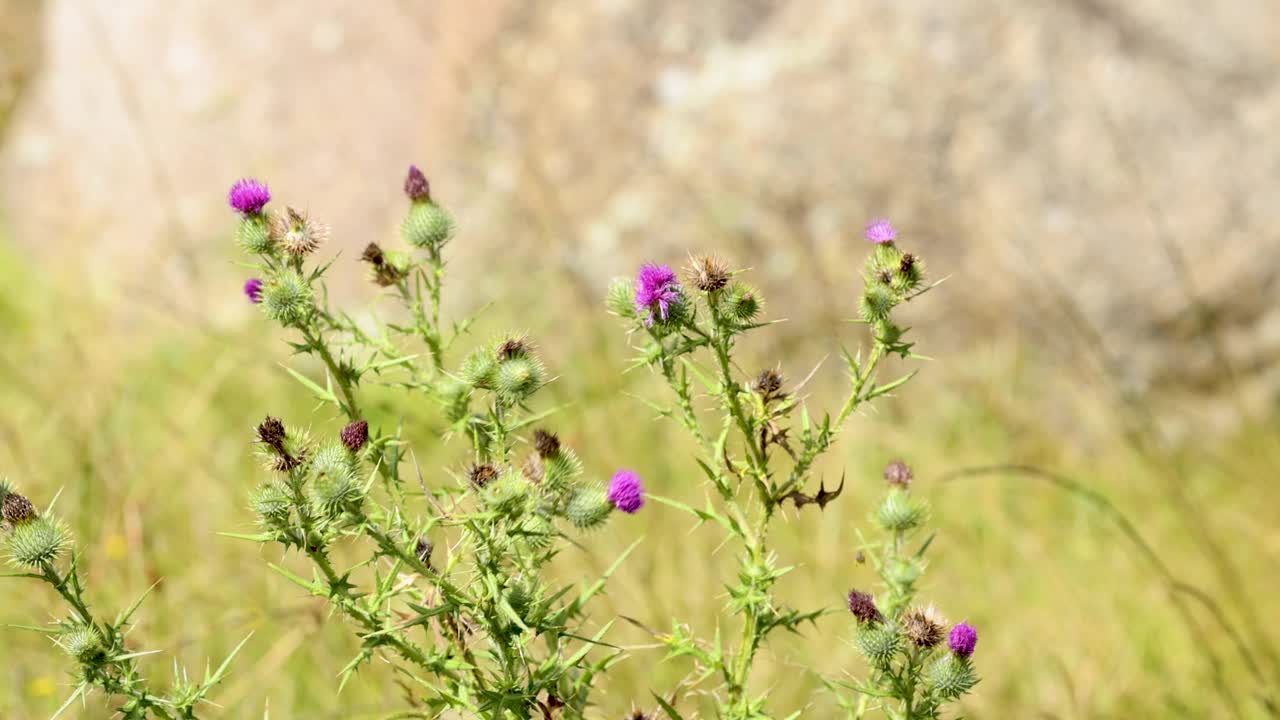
<point x="298" y="234"/>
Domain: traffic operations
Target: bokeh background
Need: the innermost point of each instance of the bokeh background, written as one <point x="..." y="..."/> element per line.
<point x="1098" y="178"/>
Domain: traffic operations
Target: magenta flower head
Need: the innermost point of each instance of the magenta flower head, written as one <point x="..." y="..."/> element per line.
<point x="248" y="196"/>
<point x="625" y="491"/>
<point x="657" y="289"/>
<point x="253" y="289"/>
<point x="416" y="185"/>
<point x="964" y="638"/>
<point x="881" y="231"/>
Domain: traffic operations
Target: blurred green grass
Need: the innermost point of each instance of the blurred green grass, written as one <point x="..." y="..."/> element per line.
<point x="141" y="417"/>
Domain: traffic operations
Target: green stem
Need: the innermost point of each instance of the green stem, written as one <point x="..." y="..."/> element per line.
<point x="855" y="395"/>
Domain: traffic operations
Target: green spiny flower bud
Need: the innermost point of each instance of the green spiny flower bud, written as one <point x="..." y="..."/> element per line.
<point x="537" y="531"/>
<point x="880" y="643"/>
<point x="521" y="597"/>
<point x="951" y="676"/>
<point x="588" y="507"/>
<point x="455" y="396"/>
<point x="561" y="470"/>
<point x="427" y="226"/>
<point x="37" y="541"/>
<point x="84" y="644"/>
<point x="620" y="299"/>
<point x="479" y="368"/>
<point x="517" y="379"/>
<point x="336" y="488"/>
<point x="900" y="512"/>
<point x="254" y="235"/>
<point x="877" y="302"/>
<point x="270" y="502"/>
<point x="885" y="256"/>
<point x="508" y="495"/>
<point x="741" y="304"/>
<point x="287" y="298"/>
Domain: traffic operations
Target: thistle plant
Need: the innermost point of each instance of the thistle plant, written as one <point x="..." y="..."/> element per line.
<point x="757" y="442"/>
<point x="41" y="546"/>
<point x="913" y="674"/>
<point x="448" y="582"/>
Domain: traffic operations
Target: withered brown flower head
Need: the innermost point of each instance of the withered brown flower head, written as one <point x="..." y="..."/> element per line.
<point x="271" y="433"/>
<point x="482" y="474"/>
<point x="907" y="262"/>
<point x="885" y="276"/>
<point x="423" y="550"/>
<point x="768" y="385"/>
<point x="546" y="443"/>
<point x="298" y="234"/>
<point x="707" y="273"/>
<point x="513" y="348"/>
<point x="899" y="474"/>
<point x="17" y="509"/>
<point x="534" y="471"/>
<point x="925" y="628"/>
<point x="373" y="254"/>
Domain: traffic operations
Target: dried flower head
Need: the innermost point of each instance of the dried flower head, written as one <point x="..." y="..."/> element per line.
<point x="768" y="385"/>
<point x="924" y="627"/>
<point x="707" y="273"/>
<point x="963" y="639"/>
<point x="271" y="432"/>
<point x="253" y="290"/>
<point x="482" y="474"/>
<point x="423" y="550"/>
<point x="355" y="435"/>
<point x="881" y="231"/>
<point x="898" y="473"/>
<point x="546" y="443"/>
<point x="626" y="491"/>
<point x="534" y="469"/>
<point x="416" y="185"/>
<point x="248" y="196"/>
<point x="373" y="254"/>
<point x="298" y="234"/>
<point x="863" y="607"/>
<point x="885" y="276"/>
<point x="512" y="348"/>
<point x="17" y="509"/>
<point x="657" y="292"/>
<point x="907" y="263"/>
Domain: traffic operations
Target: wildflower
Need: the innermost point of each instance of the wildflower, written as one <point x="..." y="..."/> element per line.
<point x="248" y="196"/>
<point x="355" y="435"/>
<point x="297" y="233"/>
<point x="373" y="255"/>
<point x="253" y="289"/>
<point x="271" y="433"/>
<point x="546" y="443"/>
<point x="626" y="492"/>
<point x="881" y="231"/>
<point x="923" y="627"/>
<point x="17" y="509"/>
<point x="416" y="185"/>
<point x="657" y="289"/>
<point x="899" y="474"/>
<point x="863" y="607"/>
<point x="768" y="385"/>
<point x="963" y="639"/>
<point x="708" y="273"/>
<point x="482" y="474"/>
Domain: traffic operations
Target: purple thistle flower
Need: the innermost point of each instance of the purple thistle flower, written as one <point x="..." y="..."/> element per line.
<point x="656" y="288"/>
<point x="416" y="185"/>
<point x="963" y="639"/>
<point x="248" y="196"/>
<point x="253" y="288"/>
<point x="863" y="607"/>
<point x="881" y="231"/>
<point x="625" y="491"/>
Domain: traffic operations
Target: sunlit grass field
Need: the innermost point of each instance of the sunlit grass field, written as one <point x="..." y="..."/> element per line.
<point x="1111" y="575"/>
